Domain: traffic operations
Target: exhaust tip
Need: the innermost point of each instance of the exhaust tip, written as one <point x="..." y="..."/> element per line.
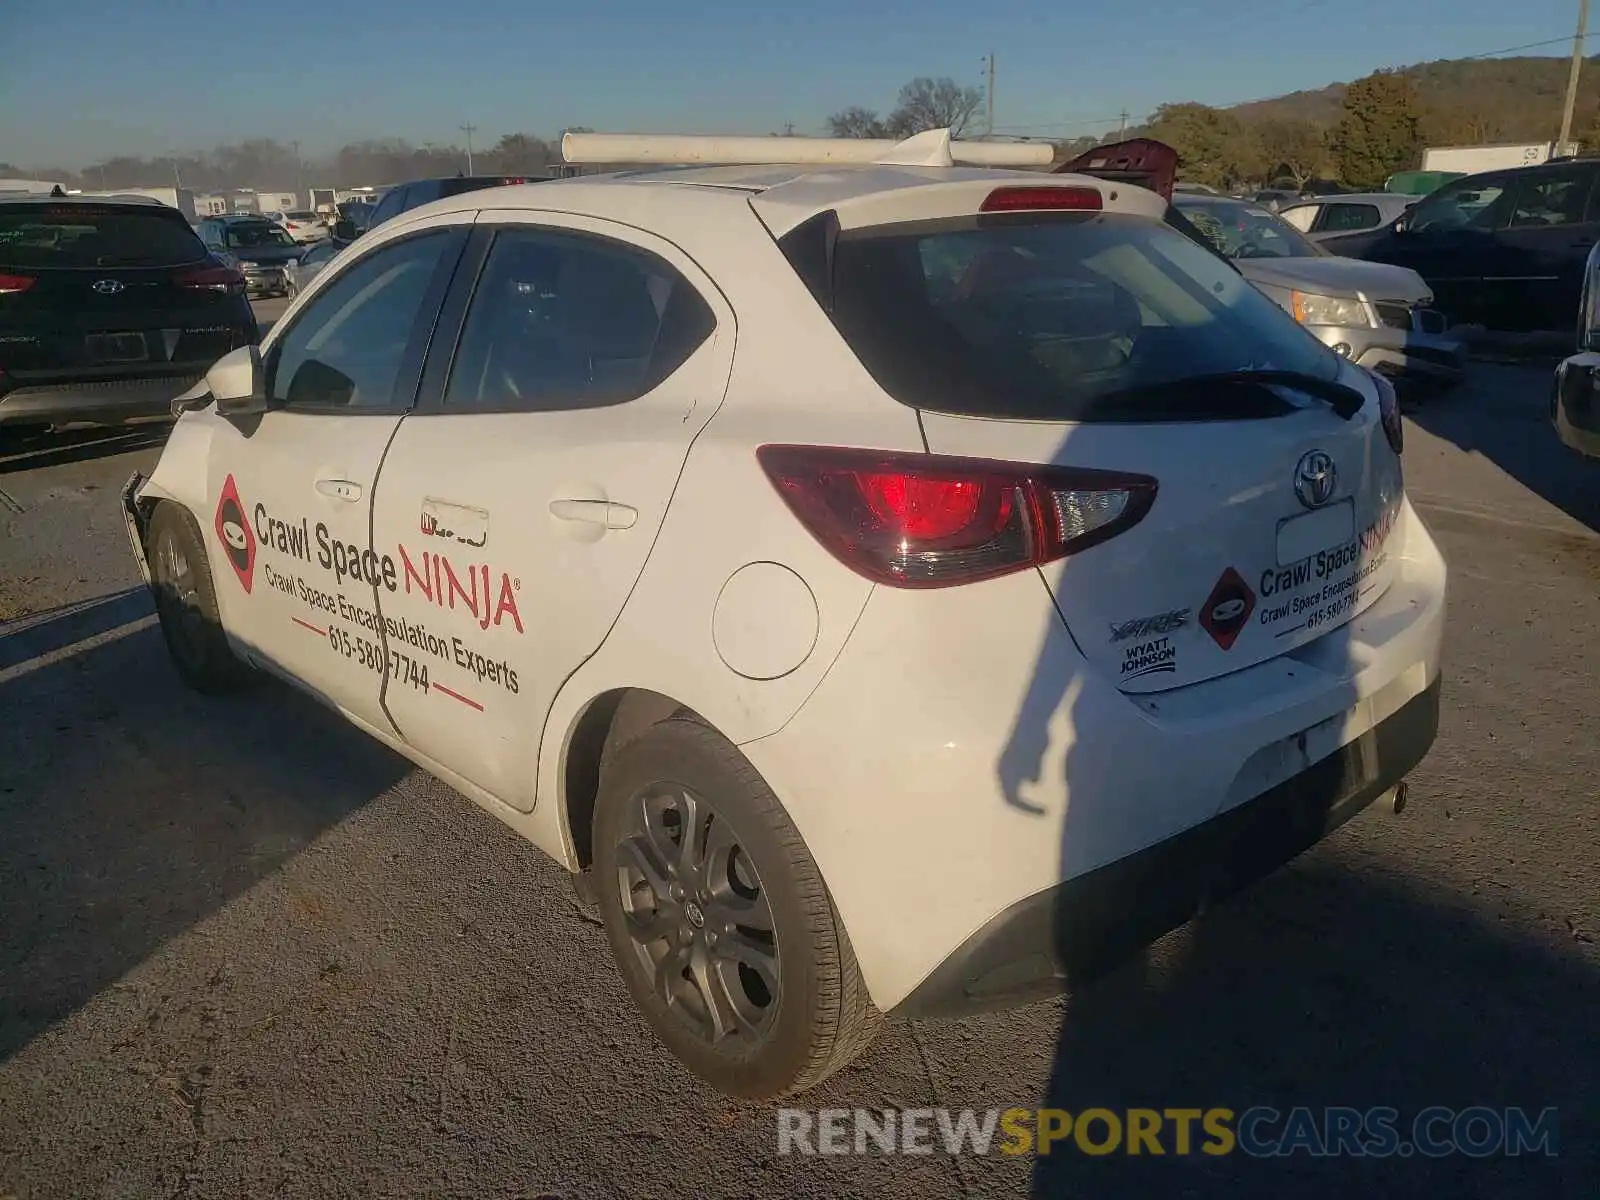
<point x="1398" y="798"/>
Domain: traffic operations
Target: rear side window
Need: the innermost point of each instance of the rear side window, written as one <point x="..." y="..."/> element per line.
<point x="44" y="236"/>
<point x="1050" y="316"/>
<point x="1301" y="216"/>
<point x="565" y="321"/>
<point x="392" y="205"/>
<point x="1343" y="217"/>
<point x="1552" y="198"/>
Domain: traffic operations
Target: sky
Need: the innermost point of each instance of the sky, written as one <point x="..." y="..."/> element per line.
<point x="87" y="79"/>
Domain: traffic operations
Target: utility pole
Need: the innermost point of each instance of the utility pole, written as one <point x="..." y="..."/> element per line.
<point x="1122" y="126"/>
<point x="299" y="174"/>
<point x="988" y="130"/>
<point x="469" y="129"/>
<point x="1572" y="75"/>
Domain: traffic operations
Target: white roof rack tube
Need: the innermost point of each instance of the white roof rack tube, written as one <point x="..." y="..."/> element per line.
<point x="933" y="148"/>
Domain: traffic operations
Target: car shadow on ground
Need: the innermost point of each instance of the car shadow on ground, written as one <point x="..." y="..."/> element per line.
<point x="1333" y="985"/>
<point x="131" y="807"/>
<point x="30" y="450"/>
<point x="1347" y="979"/>
<point x="67" y="624"/>
<point x="1334" y="982"/>
<point x="1503" y="414"/>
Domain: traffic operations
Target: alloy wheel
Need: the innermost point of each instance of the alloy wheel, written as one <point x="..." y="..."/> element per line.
<point x="698" y="917"/>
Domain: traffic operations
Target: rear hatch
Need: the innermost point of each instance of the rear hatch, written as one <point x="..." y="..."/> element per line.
<point x="1141" y="161"/>
<point x="115" y="291"/>
<point x="1108" y="341"/>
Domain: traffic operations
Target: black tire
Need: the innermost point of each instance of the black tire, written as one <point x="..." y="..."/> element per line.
<point x="821" y="1017"/>
<point x="186" y="604"/>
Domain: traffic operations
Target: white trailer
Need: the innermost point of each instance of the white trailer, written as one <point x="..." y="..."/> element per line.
<point x="181" y="199"/>
<point x="28" y="186"/>
<point x="1471" y="159"/>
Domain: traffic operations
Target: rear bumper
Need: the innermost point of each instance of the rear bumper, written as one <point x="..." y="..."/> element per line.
<point x="1083" y="926"/>
<point x="265" y="280"/>
<point x="97" y="401"/>
<point x="134" y="517"/>
<point x="992" y="767"/>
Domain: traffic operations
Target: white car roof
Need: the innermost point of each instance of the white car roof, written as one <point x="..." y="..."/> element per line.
<point x="662" y="198"/>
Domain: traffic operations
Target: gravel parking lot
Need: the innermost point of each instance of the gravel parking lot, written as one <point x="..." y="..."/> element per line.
<point x="245" y="951"/>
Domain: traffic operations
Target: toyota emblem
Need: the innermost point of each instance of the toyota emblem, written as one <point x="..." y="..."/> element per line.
<point x="1316" y="478"/>
<point x="108" y="287"/>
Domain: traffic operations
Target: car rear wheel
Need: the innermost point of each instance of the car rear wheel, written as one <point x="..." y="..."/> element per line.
<point x="719" y="919"/>
<point x="186" y="604"/>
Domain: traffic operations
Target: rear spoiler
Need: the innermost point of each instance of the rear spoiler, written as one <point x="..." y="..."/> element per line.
<point x="1143" y="162"/>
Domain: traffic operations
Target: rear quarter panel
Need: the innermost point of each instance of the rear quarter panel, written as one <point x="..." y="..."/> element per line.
<point x="793" y="381"/>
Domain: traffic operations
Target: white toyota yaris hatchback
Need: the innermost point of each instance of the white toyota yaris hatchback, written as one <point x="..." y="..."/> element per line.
<point x="895" y="587"/>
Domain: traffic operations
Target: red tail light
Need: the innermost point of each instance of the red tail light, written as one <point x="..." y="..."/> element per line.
<point x="213" y="279"/>
<point x="1389" y="409"/>
<point x="1029" y="199"/>
<point x="15" y="283"/>
<point x="926" y="520"/>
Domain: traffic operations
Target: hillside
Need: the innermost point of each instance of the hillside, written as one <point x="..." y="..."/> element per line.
<point x="1468" y="101"/>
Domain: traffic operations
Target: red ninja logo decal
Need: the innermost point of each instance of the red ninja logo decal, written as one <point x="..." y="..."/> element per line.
<point x="237" y="538"/>
<point x="1226" y="610"/>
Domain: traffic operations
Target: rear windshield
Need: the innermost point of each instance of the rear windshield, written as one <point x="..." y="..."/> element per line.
<point x="42" y="237"/>
<point x="253" y="234"/>
<point x="454" y="187"/>
<point x="301" y="215"/>
<point x="1247" y="231"/>
<point x="1050" y="316"/>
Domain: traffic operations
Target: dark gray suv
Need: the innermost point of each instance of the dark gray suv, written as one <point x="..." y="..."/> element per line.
<point x="262" y="248"/>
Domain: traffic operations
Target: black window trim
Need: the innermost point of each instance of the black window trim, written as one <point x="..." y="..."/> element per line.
<point x="446" y="344"/>
<point x="422" y="334"/>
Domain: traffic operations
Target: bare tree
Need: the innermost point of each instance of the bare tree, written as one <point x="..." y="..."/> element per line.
<point x="856" y="122"/>
<point x="934" y="104"/>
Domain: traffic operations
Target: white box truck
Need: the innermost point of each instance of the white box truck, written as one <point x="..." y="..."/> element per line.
<point x="181" y="199"/>
<point x="1469" y="160"/>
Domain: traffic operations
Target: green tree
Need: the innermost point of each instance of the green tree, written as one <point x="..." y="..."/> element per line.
<point x="1293" y="149"/>
<point x="1211" y="143"/>
<point x="1379" y="131"/>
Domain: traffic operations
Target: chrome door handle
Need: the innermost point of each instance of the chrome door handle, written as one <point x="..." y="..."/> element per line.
<point x="340" y="489"/>
<point x="607" y="513"/>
